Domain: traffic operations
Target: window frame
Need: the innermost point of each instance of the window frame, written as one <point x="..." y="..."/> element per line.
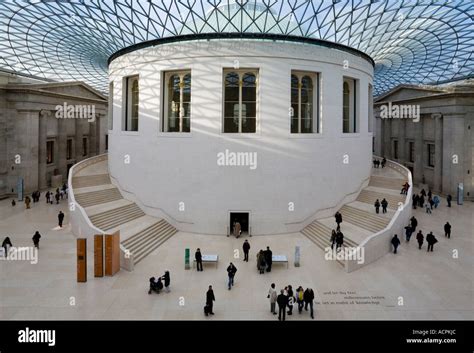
<point x="166" y="76"/>
<point x="241" y="72"/>
<point x="353" y="119"/>
<point x="411" y="151"/>
<point x="49" y="156"/>
<point x="110" y="112"/>
<point x="85" y="146"/>
<point x="69" y="149"/>
<point x="431" y="154"/>
<point x="395" y="149"/>
<point x="315" y="121"/>
<point x="127" y="107"/>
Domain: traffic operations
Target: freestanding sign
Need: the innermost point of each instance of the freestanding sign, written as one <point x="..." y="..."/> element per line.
<point x="98" y="255"/>
<point x="297" y="256"/>
<point x="112" y="253"/>
<point x="82" y="260"/>
<point x="19" y="189"/>
<point x="186" y="259"/>
<point x="460" y="193"/>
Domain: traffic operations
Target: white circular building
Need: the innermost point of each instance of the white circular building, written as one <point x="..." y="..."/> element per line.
<point x="266" y="129"/>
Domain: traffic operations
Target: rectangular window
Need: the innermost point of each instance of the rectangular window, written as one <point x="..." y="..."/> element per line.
<point x="49" y="152"/>
<point x="69" y="149"/>
<point x="110" y="112"/>
<point x="84" y="146"/>
<point x="371" y="107"/>
<point x="131" y="99"/>
<point x="395" y="149"/>
<point x="411" y="149"/>
<point x="431" y="155"/>
<point x="240" y="101"/>
<point x="107" y="142"/>
<point x="304" y="102"/>
<point x="177" y="102"/>
<point x="349" y="106"/>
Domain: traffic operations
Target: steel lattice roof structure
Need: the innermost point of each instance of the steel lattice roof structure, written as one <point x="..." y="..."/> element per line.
<point x="413" y="41"/>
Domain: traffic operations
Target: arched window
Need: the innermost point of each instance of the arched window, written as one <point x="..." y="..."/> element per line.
<point x="131" y="103"/>
<point x="349" y="105"/>
<point x="302" y="102"/>
<point x="240" y="101"/>
<point x="177" y="113"/>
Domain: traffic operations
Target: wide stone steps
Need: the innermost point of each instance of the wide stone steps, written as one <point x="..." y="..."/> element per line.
<point x="363" y="219"/>
<point x="146" y="241"/>
<point x="369" y="197"/>
<point x="117" y="216"/>
<point x="386" y="183"/>
<point x="321" y="235"/>
<point x="87" y="199"/>
<point x="90" y="180"/>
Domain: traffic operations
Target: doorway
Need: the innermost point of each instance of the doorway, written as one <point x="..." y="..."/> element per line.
<point x="242" y="218"/>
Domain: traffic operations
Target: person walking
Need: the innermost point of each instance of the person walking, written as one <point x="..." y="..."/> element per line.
<point x="395" y="243"/>
<point x="377" y="206"/>
<point x="6" y="245"/>
<point x="428" y="207"/>
<point x="333" y="238"/>
<point x="300" y="298"/>
<point x="338" y="217"/>
<point x="166" y="278"/>
<point x="282" y="301"/>
<point x="237" y="229"/>
<point x="291" y="299"/>
<point x="420" y="238"/>
<point x="36" y="239"/>
<point x="56" y="196"/>
<point x="384" y="204"/>
<point x="48" y="196"/>
<point x="272" y="295"/>
<point x="414" y="223"/>
<point x="27" y="202"/>
<point x="308" y="300"/>
<point x="210" y="299"/>
<point x="198" y="258"/>
<point x="431" y="240"/>
<point x="408" y="232"/>
<point x="447" y="230"/>
<point x="339" y="240"/>
<point x="449" y="199"/>
<point x="246" y="248"/>
<point x="13" y="203"/>
<point x="261" y="264"/>
<point x="60" y="218"/>
<point x="231" y="270"/>
<point x="268" y="259"/>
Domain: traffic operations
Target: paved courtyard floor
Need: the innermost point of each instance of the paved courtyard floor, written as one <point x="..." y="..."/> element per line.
<point x="412" y="285"/>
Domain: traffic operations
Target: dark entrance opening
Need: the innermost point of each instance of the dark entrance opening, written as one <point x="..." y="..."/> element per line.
<point x="242" y="218"/>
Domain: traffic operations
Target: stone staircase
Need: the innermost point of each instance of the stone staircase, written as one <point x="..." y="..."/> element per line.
<point x="146" y="241"/>
<point x="369" y="196"/>
<point x="386" y="182"/>
<point x="109" y="211"/>
<point x="117" y="216"/>
<point x="363" y="219"/>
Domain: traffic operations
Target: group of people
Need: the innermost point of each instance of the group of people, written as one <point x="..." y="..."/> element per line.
<point x="156" y="284"/>
<point x="7" y="243"/>
<point x="264" y="260"/>
<point x="377" y="163"/>
<point x="287" y="299"/>
<point x="337" y="237"/>
<point x="384" y="205"/>
<point x="50" y="196"/>
<point x="427" y="201"/>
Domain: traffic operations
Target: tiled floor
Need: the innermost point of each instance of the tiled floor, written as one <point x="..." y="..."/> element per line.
<point x="432" y="286"/>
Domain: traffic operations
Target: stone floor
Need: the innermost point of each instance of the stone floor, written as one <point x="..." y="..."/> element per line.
<point x="431" y="286"/>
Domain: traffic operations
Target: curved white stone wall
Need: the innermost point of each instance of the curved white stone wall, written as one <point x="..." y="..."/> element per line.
<point x="307" y="170"/>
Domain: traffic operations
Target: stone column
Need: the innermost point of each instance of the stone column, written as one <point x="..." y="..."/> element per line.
<point x="42" y="135"/>
<point x="78" y="142"/>
<point x="387" y="139"/>
<point x="437" y="179"/>
<point x="62" y="148"/>
<point x="401" y="140"/>
<point x="92" y="138"/>
<point x="418" y="166"/>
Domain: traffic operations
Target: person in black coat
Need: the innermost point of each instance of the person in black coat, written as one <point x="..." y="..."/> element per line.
<point x="6" y="243"/>
<point x="449" y="199"/>
<point x="282" y="301"/>
<point x="377" y="206"/>
<point x="166" y="278"/>
<point x="246" y="248"/>
<point x="60" y="218"/>
<point x="338" y="217"/>
<point x="333" y="238"/>
<point x="431" y="240"/>
<point x="414" y="200"/>
<point x="268" y="259"/>
<point x="384" y="204"/>
<point x="231" y="270"/>
<point x="395" y="243"/>
<point x="447" y="230"/>
<point x="36" y="239"/>
<point x="420" y="238"/>
<point x="308" y="297"/>
<point x="408" y="232"/>
<point x="210" y="299"/>
<point x="198" y="258"/>
<point x="339" y="240"/>
<point x="414" y="223"/>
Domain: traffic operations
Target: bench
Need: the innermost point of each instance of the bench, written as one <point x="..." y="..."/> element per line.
<point x="280" y="259"/>
<point x="207" y="258"/>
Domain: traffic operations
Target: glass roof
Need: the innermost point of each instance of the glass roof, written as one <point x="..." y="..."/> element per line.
<point x="411" y="42"/>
